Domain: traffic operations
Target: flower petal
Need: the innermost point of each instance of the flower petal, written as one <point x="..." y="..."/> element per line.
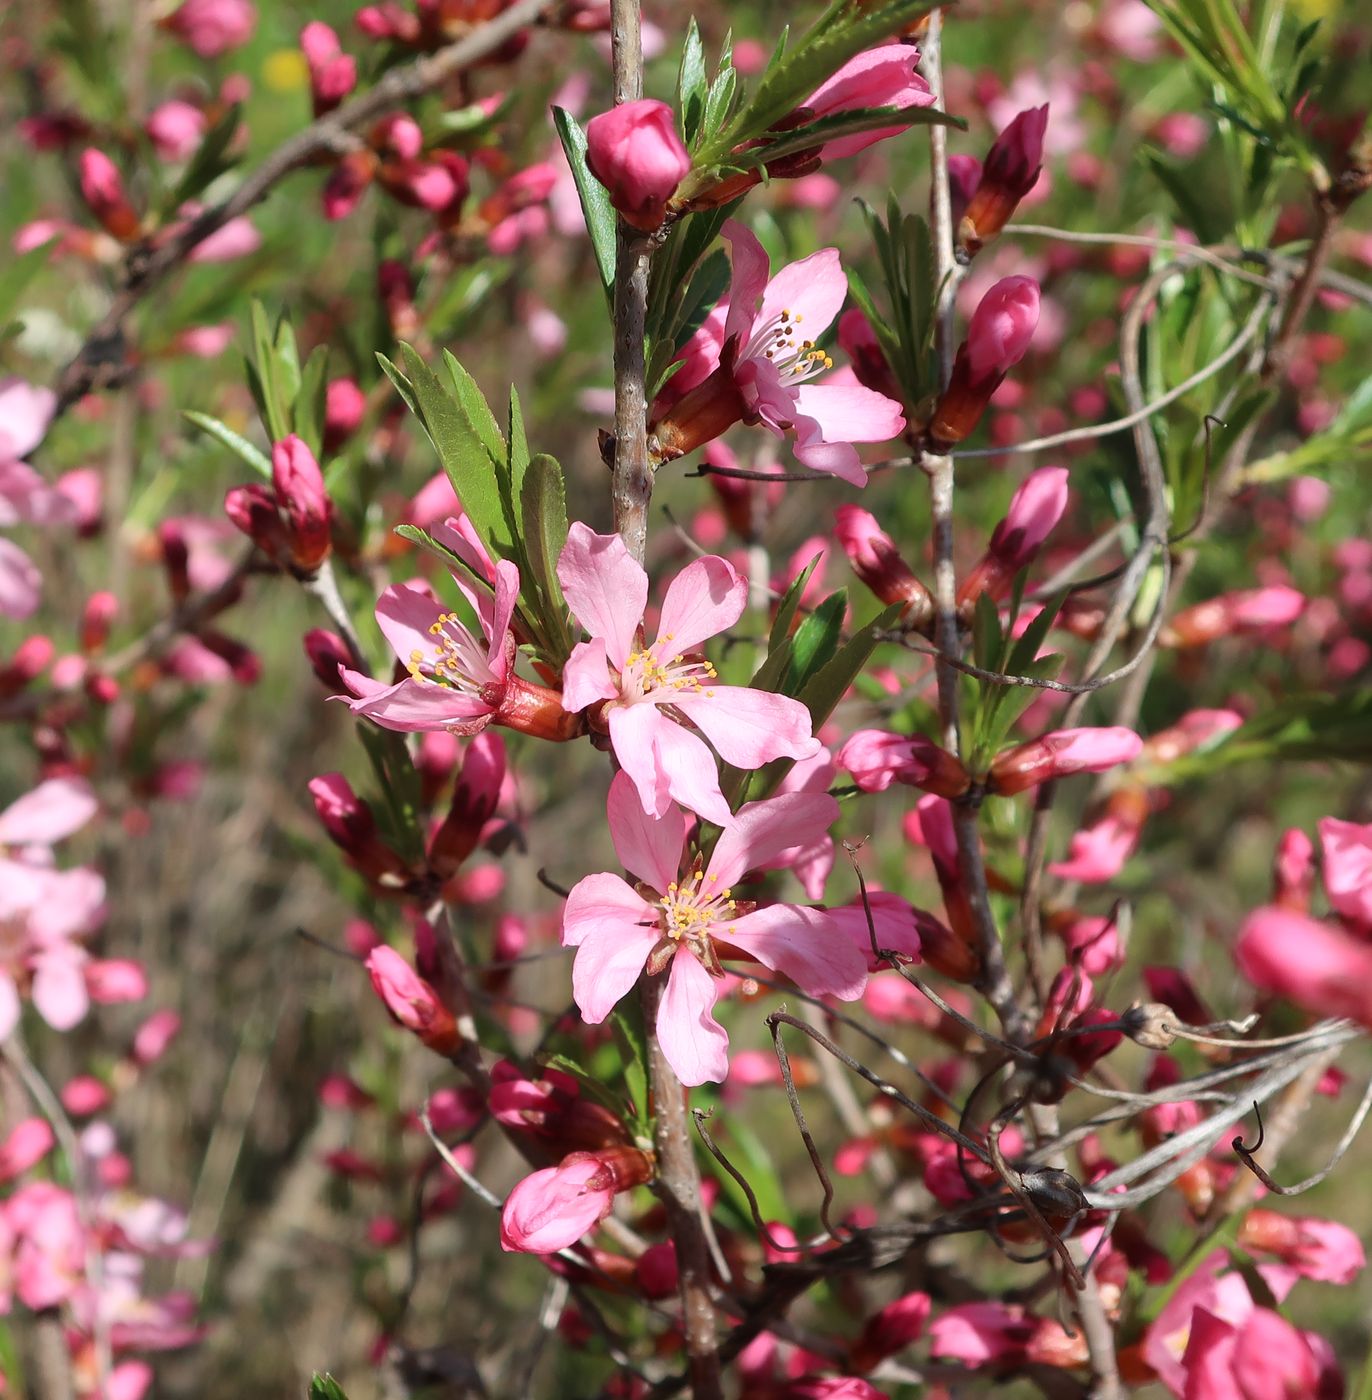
<point x="607" y="965"/>
<point x="807" y="945"/>
<point x="695" y="1044"/>
<point x="707" y="597"/>
<point x="21" y="584"/>
<point x="813" y="290"/>
<point x="54" y="809"/>
<point x="850" y="412"/>
<point x="599" y="902"/>
<point x="497" y="624"/>
<point x="59" y="987"/>
<point x="648" y="847"/>
<point x="412" y="706"/>
<point x="605" y="588"/>
<point x="750" y="727"/>
<point x="586" y="677"/>
<point x="666" y="762"/>
<point x="748" y="282"/>
<point x="762" y="830"/>
<point x="405" y="612"/>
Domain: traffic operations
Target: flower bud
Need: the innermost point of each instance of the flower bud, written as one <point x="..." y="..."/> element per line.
<point x="553" y="1208"/>
<point x="1036" y="508"/>
<point x="212" y="27"/>
<point x="412" y="1002"/>
<point x="102" y="187"/>
<point x="877" y="562"/>
<point x="1061" y="754"/>
<point x="1009" y="172"/>
<point x="327" y="652"/>
<point x="891" y="1330"/>
<point x="252" y="509"/>
<point x="29" y="1141"/>
<point x="344" y="408"/>
<point x="635" y="152"/>
<point x="351" y="827"/>
<point x="859" y="342"/>
<point x="876" y="759"/>
<point x="1347" y="850"/>
<point x="1317" y="965"/>
<point x="997" y="337"/>
<point x="175" y="129"/>
<point x="304" y="502"/>
<point x="1233" y="614"/>
<point x="333" y="73"/>
<point x="1293" y="871"/>
<point x="474" y="803"/>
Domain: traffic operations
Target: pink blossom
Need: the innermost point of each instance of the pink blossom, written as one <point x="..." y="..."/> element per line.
<point x="213" y="27"/>
<point x="1036" y="508"/>
<point x="641" y="692"/>
<point x="553" y="1208"/>
<point x="876" y="758"/>
<point x="175" y="129"/>
<point x="1347" y="850"/>
<point x="635" y="152"/>
<point x="154" y="1037"/>
<point x="21" y="583"/>
<point x="768" y="355"/>
<point x="978" y="1333"/>
<point x="457" y="679"/>
<point x="50" y="1253"/>
<point x="878" y="563"/>
<point x="678" y="914"/>
<point x="1311" y="1248"/>
<point x="1097" y="853"/>
<point x="25" y="411"/>
<point x="49" y="813"/>
<point x="881" y="77"/>
<point x="896" y="925"/>
<point x="1316" y="965"/>
<point x="333" y="73"/>
<point x="412" y="1002"/>
<point x="891" y="1330"/>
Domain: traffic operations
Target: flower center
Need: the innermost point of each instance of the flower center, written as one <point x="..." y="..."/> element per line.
<point x="694" y="906"/>
<point x="779" y="341"/>
<point x="457" y="660"/>
<point x="655" y="674"/>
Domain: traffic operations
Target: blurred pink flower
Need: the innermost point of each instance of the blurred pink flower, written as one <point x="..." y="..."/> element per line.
<point x="175" y="129"/>
<point x="1316" y="965"/>
<point x="213" y="27"/>
<point x="1347" y="850"/>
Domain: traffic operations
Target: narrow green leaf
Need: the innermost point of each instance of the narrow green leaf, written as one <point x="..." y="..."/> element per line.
<point x="307" y="416"/>
<point x="464" y="456"/>
<point x="692" y="88"/>
<point x="519" y="445"/>
<point x="544" y="510"/>
<point x="325" y="1388"/>
<point x="829" y="685"/>
<point x="816" y="640"/>
<point x="210" y="161"/>
<point x="595" y="199"/>
<point x="476" y="410"/>
<point x="627" y="1018"/>
<point x="286" y="365"/>
<point x="786" y="609"/>
<point x="226" y="437"/>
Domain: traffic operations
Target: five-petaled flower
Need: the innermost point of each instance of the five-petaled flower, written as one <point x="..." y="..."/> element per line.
<point x="681" y="917"/>
<point x="643" y="693"/>
<point x="756" y="368"/>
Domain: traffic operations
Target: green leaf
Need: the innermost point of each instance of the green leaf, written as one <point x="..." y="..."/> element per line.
<point x="403" y="387"/>
<point x="543" y="504"/>
<point x="476" y="410"/>
<point x="790" y="603"/>
<point x="595" y="199"/>
<point x="226" y="437"/>
<point x="325" y="1388"/>
<point x="692" y="87"/>
<point x="829" y="685"/>
<point x="816" y="641"/>
<point x="210" y="161"/>
<point x="16" y="272"/>
<point x="465" y="457"/>
<point x="519" y="445"/>
<point x="274" y="405"/>
<point x="307" y="415"/>
<point x="628" y="1021"/>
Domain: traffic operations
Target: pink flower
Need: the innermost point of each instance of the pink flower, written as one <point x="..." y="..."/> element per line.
<point x="553" y="1208"/>
<point x="876" y="759"/>
<point x="457" y="680"/>
<point x="881" y="77"/>
<point x="1060" y="754"/>
<point x="102" y="187"/>
<point x="1036" y="508"/>
<point x="1234" y="614"/>
<point x="997" y="337"/>
<point x="635" y="152"/>
<point x="768" y="354"/>
<point x="50" y="1254"/>
<point x="677" y="916"/>
<point x="175" y="129"/>
<point x="1312" y="1248"/>
<point x="647" y="690"/>
<point x="412" y="1002"/>
<point x="1097" y="853"/>
<point x="21" y="583"/>
<point x="1348" y="869"/>
<point x="891" y="1330"/>
<point x="1316" y="965"/>
<point x="49" y="813"/>
<point x="212" y="27"/>
<point x="878" y="563"/>
<point x="979" y="1333"/>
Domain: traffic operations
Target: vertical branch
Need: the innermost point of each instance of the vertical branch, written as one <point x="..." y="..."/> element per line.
<point x="633" y="477"/>
<point x="678" y="1178"/>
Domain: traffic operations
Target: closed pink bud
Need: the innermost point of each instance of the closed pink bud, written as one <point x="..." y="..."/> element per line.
<point x="553" y="1208"/>
<point x="1192" y="731"/>
<point x="110" y="981"/>
<point x="1059" y="755"/>
<point x="891" y="1330"/>
<point x="656" y="1271"/>
<point x="327" y="653"/>
<point x="1348" y="869"/>
<point x="252" y="509"/>
<point x="31" y="658"/>
<point x="154" y="1037"/>
<point x="333" y="73"/>
<point x="85" y="1095"/>
<point x="1293" y="871"/>
<point x="347" y="183"/>
<point x="102" y="187"/>
<point x="474" y="803"/>
<point x="345" y="405"/>
<point x="212" y="27"/>
<point x="1234" y="614"/>
<point x="29" y="1141"/>
<point x="96" y="619"/>
<point x="352" y="828"/>
<point x="964" y="175"/>
<point x="1317" y="965"/>
<point x="877" y="562"/>
<point x="175" y="129"/>
<point x="1009" y="172"/>
<point x="302" y="497"/>
<point x="997" y="337"/>
<point x="876" y="759"/>
<point x="635" y="152"/>
<point x="1036" y="508"/>
<point x="412" y="1002"/>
